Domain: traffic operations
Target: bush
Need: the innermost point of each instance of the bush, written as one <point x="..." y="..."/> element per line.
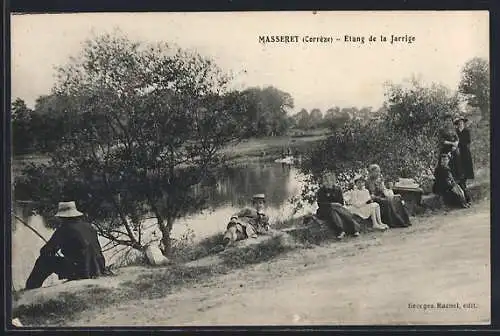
<point x="403" y="141"/>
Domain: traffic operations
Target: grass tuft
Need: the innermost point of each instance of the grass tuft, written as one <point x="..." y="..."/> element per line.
<point x="55" y="311"/>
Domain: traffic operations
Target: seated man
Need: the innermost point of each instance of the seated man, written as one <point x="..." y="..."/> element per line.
<point x="248" y="222"/>
<point x="79" y="244"/>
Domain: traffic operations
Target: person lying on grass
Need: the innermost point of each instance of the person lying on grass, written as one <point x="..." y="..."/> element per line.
<point x="361" y="203"/>
<point x="247" y="223"/>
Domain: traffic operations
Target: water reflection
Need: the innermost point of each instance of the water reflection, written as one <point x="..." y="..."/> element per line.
<point x="240" y="183"/>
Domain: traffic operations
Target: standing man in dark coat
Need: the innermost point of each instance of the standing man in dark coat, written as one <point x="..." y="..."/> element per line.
<point x="466" y="164"/>
<point x="77" y="240"/>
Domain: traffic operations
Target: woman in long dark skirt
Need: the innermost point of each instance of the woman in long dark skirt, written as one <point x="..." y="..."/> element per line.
<point x="467" y="167"/>
<point x="331" y="208"/>
<point x="446" y="186"/>
<point x="392" y="209"/>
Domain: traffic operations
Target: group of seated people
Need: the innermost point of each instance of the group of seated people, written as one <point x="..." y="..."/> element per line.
<point x="342" y="212"/>
<point x="369" y="198"/>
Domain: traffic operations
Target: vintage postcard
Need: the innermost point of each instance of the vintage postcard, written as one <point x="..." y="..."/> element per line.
<point x="251" y="168"/>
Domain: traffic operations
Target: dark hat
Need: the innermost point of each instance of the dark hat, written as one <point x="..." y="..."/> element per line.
<point x="456" y="120"/>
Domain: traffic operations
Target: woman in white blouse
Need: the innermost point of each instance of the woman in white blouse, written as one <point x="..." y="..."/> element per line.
<point x="360" y="203"/>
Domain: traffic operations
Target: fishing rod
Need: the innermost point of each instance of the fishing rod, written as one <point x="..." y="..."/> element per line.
<point x="31" y="228"/>
<point x="34" y="230"/>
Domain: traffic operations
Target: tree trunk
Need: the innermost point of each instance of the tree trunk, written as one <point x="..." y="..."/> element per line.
<point x="166" y="229"/>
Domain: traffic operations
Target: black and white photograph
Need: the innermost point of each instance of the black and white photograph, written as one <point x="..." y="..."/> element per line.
<point x="294" y="168"/>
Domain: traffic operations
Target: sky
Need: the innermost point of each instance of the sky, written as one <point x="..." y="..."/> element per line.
<point x="317" y="75"/>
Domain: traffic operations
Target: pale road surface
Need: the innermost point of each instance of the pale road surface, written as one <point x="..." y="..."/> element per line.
<point x="442" y="259"/>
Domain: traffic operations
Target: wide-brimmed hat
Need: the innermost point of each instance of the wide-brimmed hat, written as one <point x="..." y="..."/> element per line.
<point x="259" y="197"/>
<point x="67" y="209"/>
<point x="456" y="120"/>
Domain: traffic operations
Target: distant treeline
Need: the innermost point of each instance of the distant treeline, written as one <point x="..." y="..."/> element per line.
<point x="267" y="113"/>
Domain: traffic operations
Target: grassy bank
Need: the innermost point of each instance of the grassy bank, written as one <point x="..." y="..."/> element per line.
<point x="271" y="148"/>
<point x="136" y="284"/>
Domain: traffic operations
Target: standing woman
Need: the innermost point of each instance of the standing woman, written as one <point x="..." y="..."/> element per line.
<point x="448" y="144"/>
<point x="464" y="141"/>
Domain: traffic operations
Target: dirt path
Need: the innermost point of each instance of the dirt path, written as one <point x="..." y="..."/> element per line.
<point x="373" y="280"/>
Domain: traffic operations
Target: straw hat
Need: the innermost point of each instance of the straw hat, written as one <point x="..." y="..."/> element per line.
<point x="258" y="197"/>
<point x="67" y="209"/>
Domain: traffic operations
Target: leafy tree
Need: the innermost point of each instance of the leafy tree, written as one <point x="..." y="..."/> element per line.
<point x="267" y="111"/>
<point x="475" y="84"/>
<point x="414" y="108"/>
<point x="148" y="123"/>
<point x="23" y="139"/>
<point x="316" y="118"/>
<point x="303" y="119"/>
<point x="53" y="119"/>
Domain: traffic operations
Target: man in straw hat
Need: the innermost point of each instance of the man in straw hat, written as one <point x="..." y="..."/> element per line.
<point x="77" y="240"/>
<point x="248" y="222"/>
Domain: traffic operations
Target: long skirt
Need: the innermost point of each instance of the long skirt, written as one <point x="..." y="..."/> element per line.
<point x="338" y="218"/>
<point x="393" y="212"/>
<point x="455" y="197"/>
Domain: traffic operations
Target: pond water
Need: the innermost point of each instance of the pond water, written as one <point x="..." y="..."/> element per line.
<point x="278" y="181"/>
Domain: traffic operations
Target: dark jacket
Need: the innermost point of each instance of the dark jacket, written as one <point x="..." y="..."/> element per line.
<point x="326" y="196"/>
<point x="446" y="134"/>
<point x="464" y="139"/>
<point x="79" y="243"/>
